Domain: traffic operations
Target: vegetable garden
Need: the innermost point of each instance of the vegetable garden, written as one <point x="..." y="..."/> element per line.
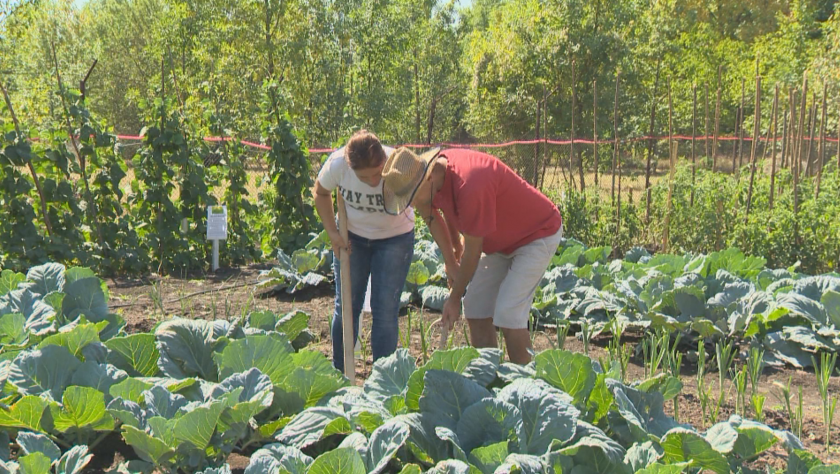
<point x="188" y="393"/>
<point x="690" y="322"/>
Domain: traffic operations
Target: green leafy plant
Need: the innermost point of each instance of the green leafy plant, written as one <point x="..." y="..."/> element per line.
<point x="293" y="216"/>
<point x="163" y="166"/>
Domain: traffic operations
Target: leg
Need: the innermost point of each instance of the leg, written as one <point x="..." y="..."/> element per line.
<point x="390" y="261"/>
<point x="482" y="332"/>
<point x="516" y="294"/>
<point x="480" y="300"/>
<point x="359" y="272"/>
<point x="518" y="342"/>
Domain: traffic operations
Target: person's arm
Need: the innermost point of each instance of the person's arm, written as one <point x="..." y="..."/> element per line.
<point x="324" y="208"/>
<point x="440" y="233"/>
<point x="457" y="243"/>
<point x="469" y="264"/>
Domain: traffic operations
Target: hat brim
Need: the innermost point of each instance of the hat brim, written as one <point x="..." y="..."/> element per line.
<point x="397" y="203"/>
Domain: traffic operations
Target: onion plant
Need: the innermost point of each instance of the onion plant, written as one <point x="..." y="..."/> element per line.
<point x="829" y="403"/>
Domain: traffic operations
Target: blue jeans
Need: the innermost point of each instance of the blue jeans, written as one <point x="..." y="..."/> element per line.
<point x="386" y="262"/>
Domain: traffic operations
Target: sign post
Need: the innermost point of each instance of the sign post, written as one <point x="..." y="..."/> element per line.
<point x="216" y="229"/>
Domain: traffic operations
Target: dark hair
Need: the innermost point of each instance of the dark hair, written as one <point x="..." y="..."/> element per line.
<point x="364" y="151"/>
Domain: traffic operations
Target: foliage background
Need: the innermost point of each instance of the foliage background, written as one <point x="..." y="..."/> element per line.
<point x="293" y="74"/>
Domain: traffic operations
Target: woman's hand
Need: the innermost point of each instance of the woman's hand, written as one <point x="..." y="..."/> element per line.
<point x="339" y="246"/>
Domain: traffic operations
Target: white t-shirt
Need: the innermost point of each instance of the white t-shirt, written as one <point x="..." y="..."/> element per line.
<point x="366" y="214"/>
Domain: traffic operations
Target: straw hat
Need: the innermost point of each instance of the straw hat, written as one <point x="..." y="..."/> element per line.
<point x="402" y="175"/>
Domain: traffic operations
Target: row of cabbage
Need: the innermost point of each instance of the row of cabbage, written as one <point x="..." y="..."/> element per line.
<point x="721" y="295"/>
<point x="190" y="393"/>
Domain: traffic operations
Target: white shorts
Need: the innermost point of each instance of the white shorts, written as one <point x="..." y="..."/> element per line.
<point x="503" y="286"/>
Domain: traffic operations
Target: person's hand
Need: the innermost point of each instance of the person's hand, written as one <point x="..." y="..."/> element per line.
<point x="451" y="312"/>
<point x="339" y="246"/>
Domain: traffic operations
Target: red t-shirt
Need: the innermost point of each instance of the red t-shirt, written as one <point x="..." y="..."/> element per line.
<point x="483" y="197"/>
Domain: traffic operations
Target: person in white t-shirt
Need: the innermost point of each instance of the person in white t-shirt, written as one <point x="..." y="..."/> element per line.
<point x="381" y="246"/>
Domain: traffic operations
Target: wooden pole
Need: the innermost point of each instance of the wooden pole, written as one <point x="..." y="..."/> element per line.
<point x="792" y="141"/>
<point x="784" y="137"/>
<point x="651" y="141"/>
<point x="615" y="138"/>
<point x="775" y="143"/>
<point x="717" y="124"/>
<point x="545" y="141"/>
<point x="672" y="152"/>
<point x="536" y="171"/>
<point x="595" y="131"/>
<point x="812" y="127"/>
<point x="580" y="156"/>
<point x="347" y="325"/>
<point x="706" y="125"/>
<point x="801" y="130"/>
<point x="821" y="153"/>
<point x="572" y="145"/>
<point x="756" y="136"/>
<point x="741" y="129"/>
<point x="693" y="138"/>
<point x="618" y="196"/>
<point x="809" y="169"/>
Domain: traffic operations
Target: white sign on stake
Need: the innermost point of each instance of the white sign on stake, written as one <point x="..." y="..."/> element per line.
<point x="216" y="229"/>
<point x="216" y="222"/>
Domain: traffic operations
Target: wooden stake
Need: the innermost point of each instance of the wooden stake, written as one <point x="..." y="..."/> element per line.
<point x="784" y="137"/>
<point x="812" y="128"/>
<point x="693" y="138"/>
<point x="791" y="146"/>
<point x="717" y="124"/>
<point x="347" y="325"/>
<point x="801" y="130"/>
<point x="821" y="153"/>
<point x="740" y="128"/>
<point x="775" y="143"/>
<point x="536" y="171"/>
<point x="545" y="141"/>
<point x="672" y="154"/>
<point x="572" y="145"/>
<point x="651" y="141"/>
<point x="706" y="126"/>
<point x="615" y="138"/>
<point x="595" y="130"/>
<point x="756" y="136"/>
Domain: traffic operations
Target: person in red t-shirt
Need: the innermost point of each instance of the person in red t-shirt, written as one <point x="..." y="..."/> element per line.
<point x="510" y="233"/>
